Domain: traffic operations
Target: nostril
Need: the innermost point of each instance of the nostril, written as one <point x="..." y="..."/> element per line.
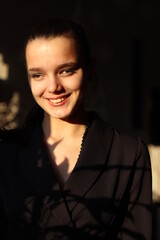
<point x="52" y="87"/>
<point x="56" y="89"/>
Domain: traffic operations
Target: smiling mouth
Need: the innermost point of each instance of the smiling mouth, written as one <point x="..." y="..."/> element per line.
<point x="58" y="100"/>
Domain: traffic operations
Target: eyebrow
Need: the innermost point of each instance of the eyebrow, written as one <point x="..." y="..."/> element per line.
<point x="69" y="64"/>
<point x="34" y="69"/>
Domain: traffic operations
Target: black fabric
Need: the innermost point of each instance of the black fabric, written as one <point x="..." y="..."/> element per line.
<point x="107" y="196"/>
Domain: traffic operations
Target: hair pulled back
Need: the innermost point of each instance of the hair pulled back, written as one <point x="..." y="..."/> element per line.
<point x="56" y="27"/>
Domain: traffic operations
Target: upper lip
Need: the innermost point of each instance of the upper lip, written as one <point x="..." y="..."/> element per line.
<point x="59" y="96"/>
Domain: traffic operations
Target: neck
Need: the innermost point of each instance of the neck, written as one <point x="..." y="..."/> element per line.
<point x="59" y="128"/>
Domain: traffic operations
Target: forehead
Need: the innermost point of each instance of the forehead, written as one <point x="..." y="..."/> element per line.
<point x="55" y="50"/>
<point x="59" y="43"/>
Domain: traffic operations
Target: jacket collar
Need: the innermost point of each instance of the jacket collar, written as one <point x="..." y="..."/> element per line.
<point x="39" y="174"/>
<point x="92" y="161"/>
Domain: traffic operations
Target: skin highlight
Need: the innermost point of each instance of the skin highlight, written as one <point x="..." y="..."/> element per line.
<point x="56" y="79"/>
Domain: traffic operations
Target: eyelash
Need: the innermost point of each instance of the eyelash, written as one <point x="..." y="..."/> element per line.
<point x="64" y="72"/>
<point x="35" y="75"/>
<point x="68" y="71"/>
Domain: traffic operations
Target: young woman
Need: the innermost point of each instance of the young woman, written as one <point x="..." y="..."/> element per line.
<point x="67" y="174"/>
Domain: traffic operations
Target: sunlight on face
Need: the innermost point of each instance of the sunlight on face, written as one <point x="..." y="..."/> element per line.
<point x="55" y="75"/>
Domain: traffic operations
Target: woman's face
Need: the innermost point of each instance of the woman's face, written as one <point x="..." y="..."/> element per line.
<point x="55" y="76"/>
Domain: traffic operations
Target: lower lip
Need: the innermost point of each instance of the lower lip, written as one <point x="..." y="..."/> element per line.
<point x="58" y="104"/>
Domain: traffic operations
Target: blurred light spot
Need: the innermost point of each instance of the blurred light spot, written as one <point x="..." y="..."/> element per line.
<point x="4" y="69"/>
<point x="9" y="112"/>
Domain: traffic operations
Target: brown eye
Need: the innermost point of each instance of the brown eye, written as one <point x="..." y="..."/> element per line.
<point x="67" y="72"/>
<point x="35" y="76"/>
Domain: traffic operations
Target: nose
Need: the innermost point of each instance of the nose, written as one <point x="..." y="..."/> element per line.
<point x="53" y="84"/>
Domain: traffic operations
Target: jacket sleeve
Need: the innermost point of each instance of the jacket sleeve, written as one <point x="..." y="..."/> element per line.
<point x="137" y="223"/>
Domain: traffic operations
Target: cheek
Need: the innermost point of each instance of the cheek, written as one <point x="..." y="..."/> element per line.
<point x="37" y="88"/>
<point x="75" y="84"/>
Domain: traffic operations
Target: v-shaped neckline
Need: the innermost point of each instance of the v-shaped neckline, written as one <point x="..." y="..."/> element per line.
<point x="58" y="175"/>
<point x="89" y="166"/>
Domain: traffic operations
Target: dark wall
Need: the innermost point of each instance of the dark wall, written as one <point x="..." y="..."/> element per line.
<point x="124" y="38"/>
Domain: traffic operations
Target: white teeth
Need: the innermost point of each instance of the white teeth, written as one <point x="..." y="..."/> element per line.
<point x="57" y="100"/>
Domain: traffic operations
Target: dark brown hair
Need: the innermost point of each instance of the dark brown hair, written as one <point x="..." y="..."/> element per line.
<point x="57" y="26"/>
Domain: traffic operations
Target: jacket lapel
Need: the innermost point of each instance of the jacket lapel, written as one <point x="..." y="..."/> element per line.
<point x="38" y="172"/>
<point x="35" y="165"/>
<point x="92" y="161"/>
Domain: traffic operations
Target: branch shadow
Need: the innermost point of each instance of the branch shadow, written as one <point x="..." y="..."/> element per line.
<point x="89" y="217"/>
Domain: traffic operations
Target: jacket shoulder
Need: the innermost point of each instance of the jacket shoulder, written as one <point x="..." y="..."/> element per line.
<point x="125" y="149"/>
<point x="131" y="149"/>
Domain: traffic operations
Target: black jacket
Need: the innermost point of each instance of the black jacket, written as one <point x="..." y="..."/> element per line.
<point x="107" y="196"/>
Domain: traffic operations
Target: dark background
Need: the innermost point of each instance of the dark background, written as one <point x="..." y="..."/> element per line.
<point x="125" y="41"/>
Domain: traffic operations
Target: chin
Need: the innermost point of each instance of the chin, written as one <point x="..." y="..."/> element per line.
<point x="61" y="116"/>
<point x="69" y="114"/>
